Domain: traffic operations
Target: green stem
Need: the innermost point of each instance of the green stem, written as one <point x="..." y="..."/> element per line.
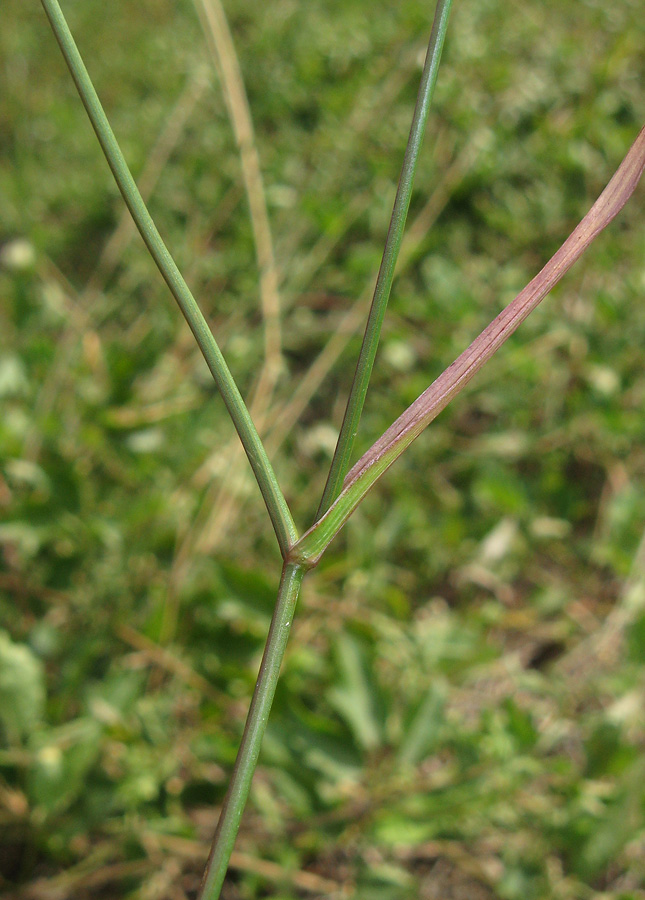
<point x="276" y="504"/>
<point x="356" y="401"/>
<point x="247" y="757"/>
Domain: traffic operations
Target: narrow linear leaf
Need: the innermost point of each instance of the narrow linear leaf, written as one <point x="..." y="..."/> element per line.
<point x="434" y="399"/>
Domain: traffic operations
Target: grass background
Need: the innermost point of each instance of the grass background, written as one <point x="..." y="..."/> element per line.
<point x="461" y="710"/>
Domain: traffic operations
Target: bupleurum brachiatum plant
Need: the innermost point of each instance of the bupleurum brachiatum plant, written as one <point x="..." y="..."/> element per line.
<point x="347" y="484"/>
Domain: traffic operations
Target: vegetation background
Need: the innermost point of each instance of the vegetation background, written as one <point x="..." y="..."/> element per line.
<point x="461" y="711"/>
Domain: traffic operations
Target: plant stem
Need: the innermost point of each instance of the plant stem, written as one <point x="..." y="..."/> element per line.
<point x="452" y="380"/>
<point x="358" y="392"/>
<point x="247" y="757"/>
<point x="276" y="504"/>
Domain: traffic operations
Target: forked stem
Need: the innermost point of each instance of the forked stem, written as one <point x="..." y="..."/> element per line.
<point x="276" y="504"/>
<point x="303" y="554"/>
<point x="358" y="392"/>
<point x="247" y="757"/>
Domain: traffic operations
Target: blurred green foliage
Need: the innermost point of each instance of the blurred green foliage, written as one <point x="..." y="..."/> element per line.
<point x="461" y="712"/>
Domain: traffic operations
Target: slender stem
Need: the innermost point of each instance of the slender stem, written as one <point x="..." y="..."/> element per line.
<point x="247" y="757"/>
<point x="452" y="380"/>
<point x="276" y="504"/>
<point x="358" y="392"/>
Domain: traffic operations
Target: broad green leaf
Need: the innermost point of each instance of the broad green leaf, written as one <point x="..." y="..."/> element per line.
<point x="423" y="732"/>
<point x="22" y="689"/>
<point x="62" y="759"/>
<point x="356" y="698"/>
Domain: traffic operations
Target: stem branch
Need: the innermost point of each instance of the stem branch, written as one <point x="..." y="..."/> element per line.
<point x="452" y="380"/>
<point x="276" y="504"/>
<point x="358" y="392"/>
